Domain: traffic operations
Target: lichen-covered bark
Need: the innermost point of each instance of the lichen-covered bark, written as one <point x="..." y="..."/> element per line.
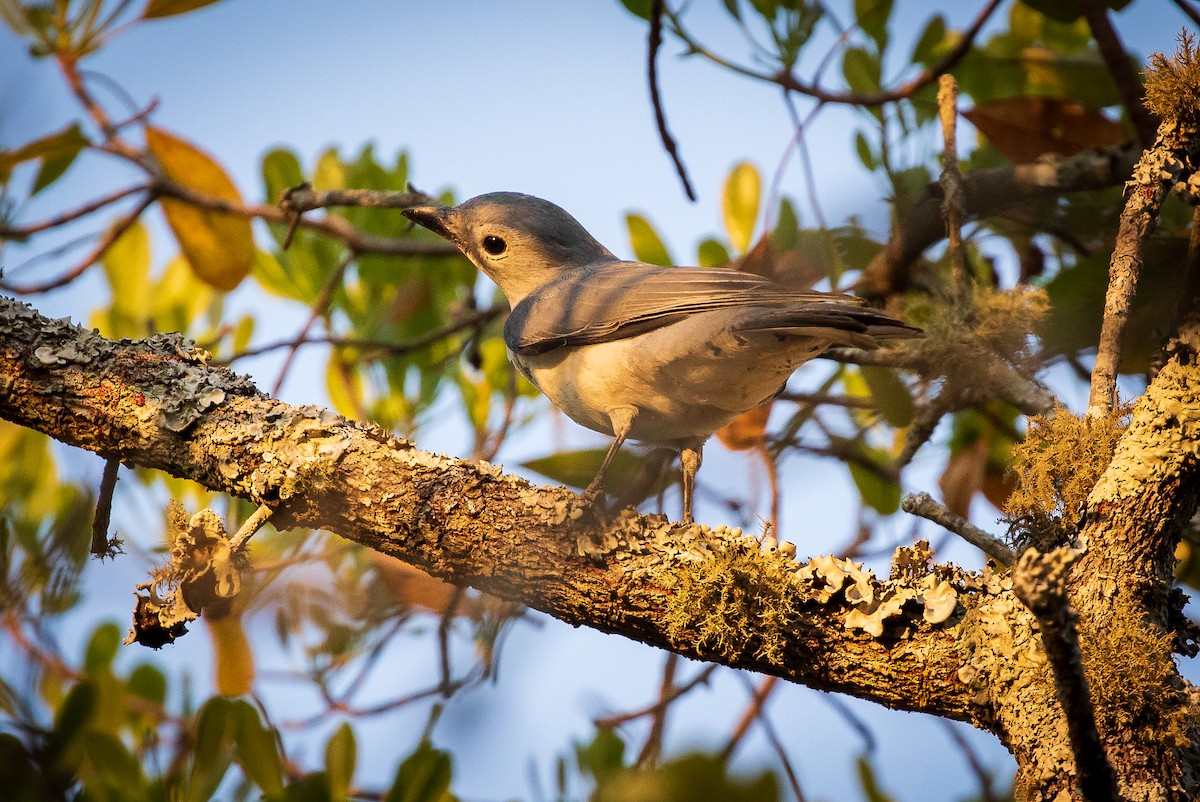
<point x="931" y="639"/>
<point x="156" y="404"/>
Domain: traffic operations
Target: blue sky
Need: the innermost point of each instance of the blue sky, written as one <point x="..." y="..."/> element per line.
<point x="547" y="98"/>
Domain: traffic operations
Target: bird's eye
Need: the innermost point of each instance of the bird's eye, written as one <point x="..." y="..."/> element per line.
<point x="494" y="245"/>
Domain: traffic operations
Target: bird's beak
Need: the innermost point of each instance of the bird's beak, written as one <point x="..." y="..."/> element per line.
<point x="434" y="218"/>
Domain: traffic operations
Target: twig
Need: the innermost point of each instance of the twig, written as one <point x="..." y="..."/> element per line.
<point x="304" y="198"/>
<point x="1144" y="194"/>
<point x="777" y="745"/>
<point x="1039" y="581"/>
<point x="102" y="545"/>
<point x="617" y="719"/>
<point x="1120" y="68"/>
<point x="790" y="82"/>
<point x="251" y="525"/>
<point x="954" y="201"/>
<point x="102" y="245"/>
<point x="987" y="192"/>
<point x="856" y="723"/>
<point x="20" y="232"/>
<point x="319" y="308"/>
<point x="444" y="623"/>
<point x="751" y="714"/>
<point x="652" y="748"/>
<point x="831" y="399"/>
<point x="1186" y="8"/>
<point x="392" y="348"/>
<point x="986" y="793"/>
<point x="922" y="504"/>
<point x="660" y="117"/>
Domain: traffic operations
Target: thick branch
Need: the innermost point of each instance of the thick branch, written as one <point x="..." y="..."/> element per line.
<point x="987" y="192"/>
<point x="1153" y="176"/>
<point x="1039" y="581"/>
<point x="157" y="404"/>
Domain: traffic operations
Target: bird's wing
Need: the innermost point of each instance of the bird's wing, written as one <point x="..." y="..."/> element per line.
<point x="622" y="299"/>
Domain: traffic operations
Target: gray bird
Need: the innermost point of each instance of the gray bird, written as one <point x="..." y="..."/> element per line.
<point x="663" y="355"/>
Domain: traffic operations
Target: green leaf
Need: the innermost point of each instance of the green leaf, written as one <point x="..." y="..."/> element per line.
<point x="891" y="395"/>
<point x="712" y="253"/>
<point x="647" y="246"/>
<point x="257" y="749"/>
<point x="733" y="8"/>
<point x="115" y="766"/>
<point x="786" y="234"/>
<point x="56" y="151"/>
<point x="604" y="756"/>
<point x="868" y="782"/>
<point x="281" y="171"/>
<point x="639" y="8"/>
<point x="102" y="647"/>
<point x="157" y="9"/>
<point x="577" y="468"/>
<point x="739" y="204"/>
<point x="873" y="16"/>
<point x="340" y="754"/>
<point x="878" y="492"/>
<point x="424" y="776"/>
<point x="148" y="681"/>
<point x="863" y="149"/>
<point x="862" y="70"/>
<point x="931" y="42"/>
<point x="72" y="717"/>
<point x="330" y="173"/>
<point x="214" y="731"/>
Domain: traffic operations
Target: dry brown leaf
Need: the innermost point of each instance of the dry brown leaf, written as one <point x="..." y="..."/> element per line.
<point x="746" y="430"/>
<point x="1024" y="128"/>
<point x="963" y="477"/>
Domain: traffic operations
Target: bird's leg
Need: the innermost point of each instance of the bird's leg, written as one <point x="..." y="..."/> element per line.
<point x="689" y="461"/>
<point x="622" y="422"/>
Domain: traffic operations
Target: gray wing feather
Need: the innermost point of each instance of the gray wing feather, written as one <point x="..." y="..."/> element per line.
<point x="623" y="299"/>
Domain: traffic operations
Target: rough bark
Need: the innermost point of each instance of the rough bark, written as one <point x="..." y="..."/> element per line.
<point x="930" y="639"/>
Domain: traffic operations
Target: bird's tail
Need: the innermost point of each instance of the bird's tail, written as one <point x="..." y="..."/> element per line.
<point x="839" y="323"/>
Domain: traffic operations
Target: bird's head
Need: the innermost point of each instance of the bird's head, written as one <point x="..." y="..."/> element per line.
<point x="520" y="241"/>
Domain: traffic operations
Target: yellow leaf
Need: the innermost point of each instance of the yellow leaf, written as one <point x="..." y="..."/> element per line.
<point x="219" y="246"/>
<point x="739" y="203"/>
<point x="233" y="660"/>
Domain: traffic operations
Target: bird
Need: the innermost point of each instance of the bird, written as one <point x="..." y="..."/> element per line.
<point x="660" y="355"/>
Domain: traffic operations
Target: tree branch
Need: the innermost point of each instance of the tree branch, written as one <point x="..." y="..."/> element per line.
<point x="155" y="403"/>
<point x="1039" y="580"/>
<point x="987" y="192"/>
<point x="1156" y="171"/>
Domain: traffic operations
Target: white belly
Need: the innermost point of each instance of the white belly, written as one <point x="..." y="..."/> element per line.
<point x="684" y="381"/>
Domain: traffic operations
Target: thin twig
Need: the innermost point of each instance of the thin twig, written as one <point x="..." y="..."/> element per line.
<point x="853" y="719"/>
<point x="1120" y="67"/>
<point x="617" y="719"/>
<point x="986" y="792"/>
<point x="110" y="236"/>
<point x="319" y="308"/>
<point x="660" y="117"/>
<point x="922" y="504"/>
<point x="777" y="745"/>
<point x="304" y="198"/>
<point x="391" y="348"/>
<point x="1187" y="8"/>
<point x="789" y="81"/>
<point x="20" y="232"/>
<point x="1144" y="195"/>
<point x="954" y="201"/>
<point x="751" y="714"/>
<point x="251" y="525"/>
<point x="1039" y="581"/>
<point x="652" y="748"/>
<point x="102" y="545"/>
<point x="444" y="623"/>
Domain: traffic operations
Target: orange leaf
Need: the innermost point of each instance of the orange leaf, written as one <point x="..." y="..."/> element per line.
<point x="219" y="246"/>
<point x="746" y="430"/>
<point x="418" y="589"/>
<point x="1024" y="128"/>
<point x="963" y="477"/>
